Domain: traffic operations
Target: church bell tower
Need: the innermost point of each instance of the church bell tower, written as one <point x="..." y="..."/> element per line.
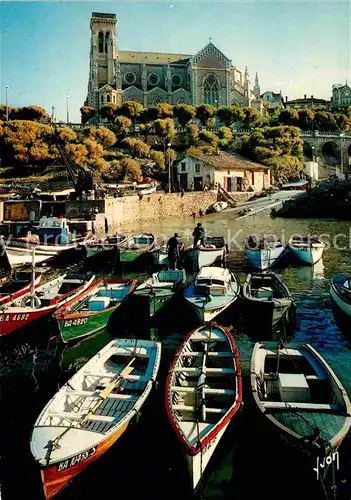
<point x="103" y="58"/>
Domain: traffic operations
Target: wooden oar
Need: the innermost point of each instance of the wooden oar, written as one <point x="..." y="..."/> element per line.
<point x="109" y="388"/>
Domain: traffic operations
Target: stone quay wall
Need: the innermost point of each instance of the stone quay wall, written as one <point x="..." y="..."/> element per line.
<point x="161" y="206"/>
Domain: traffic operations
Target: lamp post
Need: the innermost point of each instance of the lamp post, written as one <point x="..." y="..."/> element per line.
<point x="67" y="112"/>
<point x="53" y="114"/>
<point x="7" y="107"/>
<point x="342" y="154"/>
<point x="169" y="168"/>
<point x="313" y="154"/>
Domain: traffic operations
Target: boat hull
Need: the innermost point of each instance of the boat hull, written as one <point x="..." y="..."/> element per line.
<point x="58" y="475"/>
<point x="19" y="255"/>
<point x="268" y="313"/>
<point x="206" y="257"/>
<point x="198" y="463"/>
<point x="307" y="255"/>
<point x="84" y="325"/>
<point x="264" y="259"/>
<point x="12" y="321"/>
<point x="344" y="306"/>
<point x="19" y="293"/>
<point x="206" y="315"/>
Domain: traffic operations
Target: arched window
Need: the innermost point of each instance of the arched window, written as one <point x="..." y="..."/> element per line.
<point x="102" y="99"/>
<point x="106" y="41"/>
<point x="101" y="42"/>
<point x="211" y="90"/>
<point x="108" y="98"/>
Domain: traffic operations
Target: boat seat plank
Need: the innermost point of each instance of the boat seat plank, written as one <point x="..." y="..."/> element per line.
<point x="221" y="411"/>
<point x="280" y="405"/>
<point x="200" y="337"/>
<point x="100" y="375"/>
<point x="79" y="416"/>
<point x="95" y="394"/>
<point x="207" y="370"/>
<point x="198" y="354"/>
<point x="224" y="392"/>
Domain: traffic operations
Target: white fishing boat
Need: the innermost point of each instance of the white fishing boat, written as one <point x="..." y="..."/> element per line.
<point x="96" y="246"/>
<point x="212" y="254"/>
<point x="301" y="401"/>
<point x="219" y="206"/>
<point x="264" y="253"/>
<point x="92" y="410"/>
<point x="203" y="393"/>
<point x="53" y="238"/>
<point x="212" y="291"/>
<point x="307" y="250"/>
<point x="340" y="292"/>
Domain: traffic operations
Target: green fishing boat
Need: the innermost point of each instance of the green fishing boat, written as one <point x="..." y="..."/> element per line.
<point x="91" y="312"/>
<point x="161" y="287"/>
<point x="137" y="245"/>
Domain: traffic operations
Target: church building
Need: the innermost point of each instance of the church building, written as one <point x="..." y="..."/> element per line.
<point x="207" y="77"/>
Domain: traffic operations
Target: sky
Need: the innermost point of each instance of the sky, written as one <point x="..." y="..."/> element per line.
<point x="296" y="47"/>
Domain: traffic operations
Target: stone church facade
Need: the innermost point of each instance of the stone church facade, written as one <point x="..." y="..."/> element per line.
<point x="207" y="77"/>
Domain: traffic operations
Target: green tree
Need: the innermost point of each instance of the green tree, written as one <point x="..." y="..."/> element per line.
<point x="136" y="147"/>
<point x="305" y="118"/>
<point x="225" y="133"/>
<point x="289" y="117"/>
<point x="184" y="113"/>
<point x="204" y="113"/>
<point x="32" y="113"/>
<point x="131" y="109"/>
<point x="209" y="137"/>
<point x="252" y="118"/>
<point x="87" y="113"/>
<point x="109" y="111"/>
<point x="123" y="124"/>
<point x="324" y="121"/>
<point x="159" y="158"/>
<point x="131" y="170"/>
<point x="165" y="128"/>
<point x="164" y="110"/>
<point x="66" y="134"/>
<point x="105" y="137"/>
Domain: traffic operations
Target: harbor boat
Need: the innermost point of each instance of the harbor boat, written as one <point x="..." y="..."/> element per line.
<point x="340" y="292"/>
<point x="264" y="253"/>
<point x="305" y="249"/>
<point x="161" y="287"/>
<point x="302" y="401"/>
<point x="17" y="286"/>
<point x="268" y="299"/>
<point x="92" y="410"/>
<point x="211" y="292"/>
<point x="219" y="206"/>
<point x="89" y="312"/>
<point x="41" y="302"/>
<point x="53" y="237"/>
<point x="96" y="246"/>
<point x="212" y="254"/>
<point x="203" y="393"/>
<point x="138" y="245"/>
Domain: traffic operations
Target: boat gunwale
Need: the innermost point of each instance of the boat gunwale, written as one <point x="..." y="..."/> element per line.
<point x="63" y="313"/>
<point x="225" y="420"/>
<point x="248" y="296"/>
<point x="331" y="374"/>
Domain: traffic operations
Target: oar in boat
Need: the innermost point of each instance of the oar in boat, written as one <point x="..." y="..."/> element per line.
<point x="109" y="388"/>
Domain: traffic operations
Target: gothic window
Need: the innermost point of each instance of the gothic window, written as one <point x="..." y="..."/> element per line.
<point x="101" y="42"/>
<point x="108" y="98"/>
<point x="211" y="90"/>
<point x="102" y="99"/>
<point x="177" y="80"/>
<point x="106" y="41"/>
<point x="157" y="100"/>
<point x="153" y="79"/>
<point x="129" y="78"/>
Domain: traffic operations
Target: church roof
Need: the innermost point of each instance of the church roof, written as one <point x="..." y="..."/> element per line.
<point x="130" y="56"/>
<point x="227" y="161"/>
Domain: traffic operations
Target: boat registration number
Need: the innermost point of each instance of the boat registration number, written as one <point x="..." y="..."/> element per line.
<point x="15" y="317"/>
<point x="75" y="322"/>
<point x="66" y="464"/>
<point x="210" y="444"/>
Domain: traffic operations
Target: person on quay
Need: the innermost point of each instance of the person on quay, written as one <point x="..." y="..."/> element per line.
<point x="173" y="247"/>
<point x="199" y="235"/>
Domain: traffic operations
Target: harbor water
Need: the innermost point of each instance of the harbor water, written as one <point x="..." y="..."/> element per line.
<point x="147" y="461"/>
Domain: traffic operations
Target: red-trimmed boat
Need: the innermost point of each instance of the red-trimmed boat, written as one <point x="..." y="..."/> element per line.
<point x="203" y="393"/>
<point x="17" y="285"/>
<point x="33" y="306"/>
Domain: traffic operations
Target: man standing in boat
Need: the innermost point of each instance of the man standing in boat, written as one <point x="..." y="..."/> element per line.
<point x="199" y="235"/>
<point x="173" y="250"/>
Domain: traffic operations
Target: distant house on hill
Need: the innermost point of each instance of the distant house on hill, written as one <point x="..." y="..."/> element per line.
<point x="232" y="172"/>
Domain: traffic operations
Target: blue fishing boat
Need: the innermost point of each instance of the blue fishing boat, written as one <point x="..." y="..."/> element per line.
<point x="264" y="253"/>
<point x="211" y="292"/>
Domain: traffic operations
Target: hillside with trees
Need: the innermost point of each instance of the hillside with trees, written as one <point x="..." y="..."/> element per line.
<point x="136" y="142"/>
